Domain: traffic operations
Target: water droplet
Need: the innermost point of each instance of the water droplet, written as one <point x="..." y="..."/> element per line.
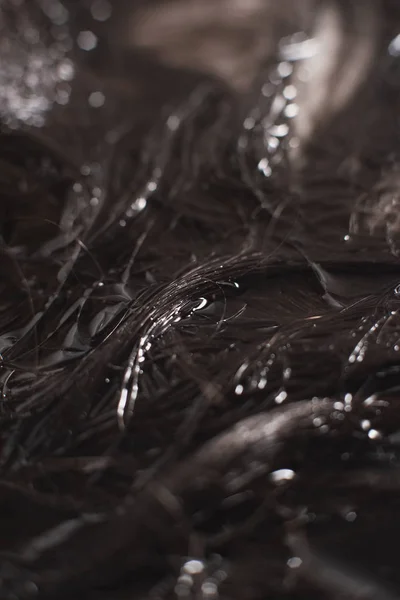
<point x="272" y="143"/>
<point x="122" y="223"/>
<point x="185" y="579"/>
<point x="365" y="424"/>
<point x="397" y="290"/>
<point x="182" y="590"/>
<point x="348" y="398"/>
<point x="209" y="589"/>
<point x="262" y="383"/>
<point x="268" y="90"/>
<point x="394" y="46"/>
<point x="346" y="238"/>
<point x="101" y="10"/>
<point x="220" y="575"/>
<point x="351" y="516"/>
<point x="249" y="123"/>
<point x="280" y="130"/>
<point x="239" y="389"/>
<point x="151" y="186"/>
<point x="290" y="92"/>
<point x="173" y="122"/>
<point x="370" y="400"/>
<point x="292" y="110"/>
<point x="295" y="562"/>
<point x="97" y="99"/>
<point x="282" y="475"/>
<point x="338" y="406"/>
<point x="264" y="167"/>
<point x="287" y="373"/>
<point x="373" y="434"/>
<point x="202" y="304"/>
<point x="193" y="567"/>
<point x="285" y="69"/>
<point x="139" y="204"/>
<point x="63" y="94"/>
<point x="55" y="11"/>
<point x="85" y="170"/>
<point x="281" y="397"/>
<point x="66" y="70"/>
<point x="87" y="40"/>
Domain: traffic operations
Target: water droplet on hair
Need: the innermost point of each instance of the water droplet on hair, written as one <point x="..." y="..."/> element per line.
<point x="351" y="516"/>
<point x="264" y="167"/>
<point x="262" y="383"/>
<point x="268" y="90"/>
<point x="202" y="304"/>
<point x="209" y="589"/>
<point x="285" y="69"/>
<point x="97" y="99"/>
<point x="294" y="563"/>
<point x="66" y="70"/>
<point x="291" y="111"/>
<point x="370" y="400"/>
<point x="272" y="143"/>
<point x="249" y="123"/>
<point x="101" y="10"/>
<point x="282" y="476"/>
<point x="281" y="397"/>
<point x="151" y="186"/>
<point x="290" y="92"/>
<point x="85" y="170"/>
<point x="173" y="122"/>
<point x="86" y="40"/>
<point x="280" y="130"/>
<point x="55" y="11"/>
<point x="139" y="204"/>
<point x="287" y="373"/>
<point x="193" y="567"/>
<point x="394" y="47"/>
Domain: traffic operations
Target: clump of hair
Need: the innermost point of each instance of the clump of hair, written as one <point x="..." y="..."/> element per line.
<point x="199" y="310"/>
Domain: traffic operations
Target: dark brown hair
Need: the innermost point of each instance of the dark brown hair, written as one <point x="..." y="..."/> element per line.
<point x="199" y="310"/>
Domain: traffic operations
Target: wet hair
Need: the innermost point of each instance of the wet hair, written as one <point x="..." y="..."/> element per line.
<point x="199" y="309"/>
